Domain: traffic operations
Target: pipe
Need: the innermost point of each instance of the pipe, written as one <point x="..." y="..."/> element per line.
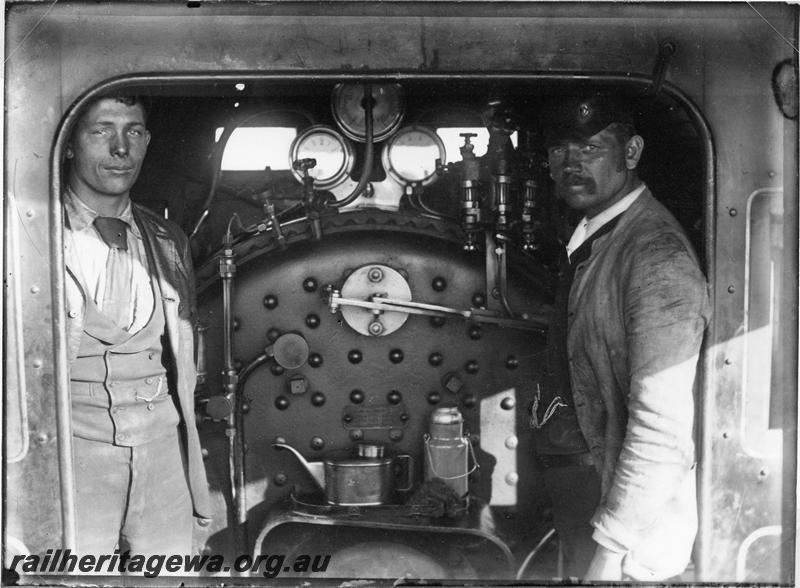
<point x="227" y="271"/>
<point x="369" y="149"/>
<point x="502" y="276"/>
<point x="236" y="442"/>
<point x="219" y="151"/>
<point x="236" y="452"/>
<point x="533" y="553"/>
<point x="250" y="368"/>
<point x="217" y="161"/>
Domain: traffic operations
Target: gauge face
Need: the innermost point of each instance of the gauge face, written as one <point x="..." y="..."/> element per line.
<point x="410" y="156"/>
<point x="388" y="107"/>
<point x="332" y="152"/>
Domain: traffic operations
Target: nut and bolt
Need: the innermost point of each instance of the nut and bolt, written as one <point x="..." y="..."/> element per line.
<point x="508" y="403"/>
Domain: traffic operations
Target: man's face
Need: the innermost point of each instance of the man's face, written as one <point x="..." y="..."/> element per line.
<point x="592" y="174"/>
<point x="106" y="150"/>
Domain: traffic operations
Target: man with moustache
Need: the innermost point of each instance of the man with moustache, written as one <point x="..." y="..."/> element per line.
<point x="613" y="415"/>
<point x="139" y="474"/>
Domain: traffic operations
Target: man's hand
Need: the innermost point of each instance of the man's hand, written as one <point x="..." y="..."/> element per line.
<point x="606" y="566"/>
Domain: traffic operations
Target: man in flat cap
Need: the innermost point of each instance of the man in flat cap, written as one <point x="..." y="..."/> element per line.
<point x="614" y="413"/>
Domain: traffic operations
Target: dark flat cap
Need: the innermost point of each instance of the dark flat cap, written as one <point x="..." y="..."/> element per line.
<point x="581" y="118"/>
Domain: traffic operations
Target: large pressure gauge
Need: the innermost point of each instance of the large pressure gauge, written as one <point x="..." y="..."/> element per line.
<point x="410" y="156"/>
<point x="332" y="152"/>
<point x="388" y="105"/>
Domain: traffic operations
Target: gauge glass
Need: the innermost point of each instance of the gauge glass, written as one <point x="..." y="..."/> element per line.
<point x="388" y="106"/>
<point x="410" y="156"/>
<point x="332" y="152"/>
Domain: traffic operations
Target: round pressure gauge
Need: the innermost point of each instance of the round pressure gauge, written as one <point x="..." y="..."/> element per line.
<point x="388" y="105"/>
<point x="410" y="155"/>
<point x="332" y="152"/>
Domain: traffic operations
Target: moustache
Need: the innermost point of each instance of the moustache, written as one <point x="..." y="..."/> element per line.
<point x="570" y="180"/>
<point x="567" y="181"/>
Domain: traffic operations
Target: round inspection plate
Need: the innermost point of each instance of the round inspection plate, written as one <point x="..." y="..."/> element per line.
<point x="290" y="351"/>
<point x="375" y="280"/>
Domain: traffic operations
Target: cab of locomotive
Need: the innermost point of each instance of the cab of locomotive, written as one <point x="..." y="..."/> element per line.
<point x="375" y="261"/>
<point x="375" y="240"/>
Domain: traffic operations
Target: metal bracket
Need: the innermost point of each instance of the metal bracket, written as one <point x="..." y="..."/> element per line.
<point x="665" y="52"/>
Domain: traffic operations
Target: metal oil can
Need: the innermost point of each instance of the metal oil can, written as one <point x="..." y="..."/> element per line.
<point x="447" y="450"/>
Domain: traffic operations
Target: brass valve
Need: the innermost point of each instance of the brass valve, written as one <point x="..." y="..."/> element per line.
<point x="305" y="164"/>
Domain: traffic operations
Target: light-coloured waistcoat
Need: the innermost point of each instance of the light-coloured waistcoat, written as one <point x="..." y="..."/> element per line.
<point x="119" y="387"/>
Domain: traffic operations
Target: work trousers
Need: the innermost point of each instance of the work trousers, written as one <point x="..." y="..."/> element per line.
<point x="132" y="498"/>
<point x="574" y="492"/>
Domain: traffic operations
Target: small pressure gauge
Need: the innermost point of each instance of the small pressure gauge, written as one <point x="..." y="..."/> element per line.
<point x="410" y="155"/>
<point x="332" y="152"/>
<point x="388" y="107"/>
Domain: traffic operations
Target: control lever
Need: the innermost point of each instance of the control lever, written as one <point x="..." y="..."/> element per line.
<point x="377" y="303"/>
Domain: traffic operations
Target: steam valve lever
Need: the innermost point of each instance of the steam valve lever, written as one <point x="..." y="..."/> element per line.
<point x="336" y="302"/>
<point x="309" y="196"/>
<point x="303" y="165"/>
<point x="269" y="211"/>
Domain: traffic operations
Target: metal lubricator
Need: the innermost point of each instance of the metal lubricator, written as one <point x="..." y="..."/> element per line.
<point x="470" y="202"/>
<point x="490" y="187"/>
<point x="527" y="218"/>
<point x="469" y="172"/>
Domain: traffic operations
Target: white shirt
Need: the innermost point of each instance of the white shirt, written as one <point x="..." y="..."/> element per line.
<point x="85" y="253"/>
<point x="588" y="226"/>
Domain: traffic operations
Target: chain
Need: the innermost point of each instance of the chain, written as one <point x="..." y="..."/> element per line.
<point x="554" y="405"/>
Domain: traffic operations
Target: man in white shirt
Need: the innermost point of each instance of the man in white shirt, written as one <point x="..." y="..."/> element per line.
<point x="614" y="412"/>
<point x="139" y="475"/>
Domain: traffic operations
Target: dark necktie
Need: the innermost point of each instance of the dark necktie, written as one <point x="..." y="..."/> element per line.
<point x="113" y="231"/>
<point x="117" y="296"/>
